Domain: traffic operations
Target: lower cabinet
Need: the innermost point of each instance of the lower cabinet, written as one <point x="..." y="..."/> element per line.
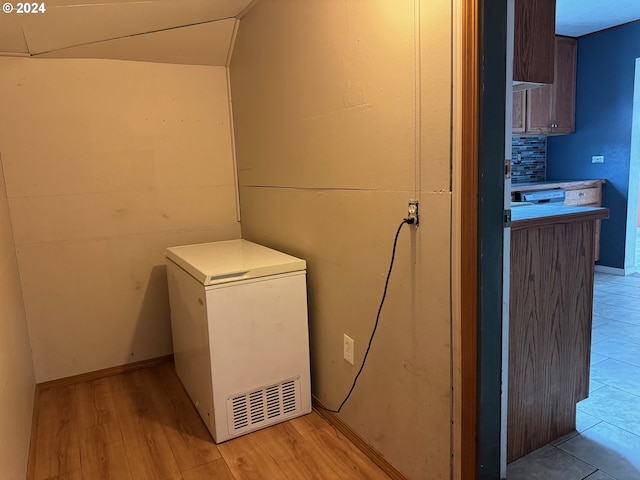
<point x="550" y="315"/>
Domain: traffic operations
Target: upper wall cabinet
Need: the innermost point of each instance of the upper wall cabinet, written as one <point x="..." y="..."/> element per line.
<point x="533" y="43"/>
<point x="550" y="110"/>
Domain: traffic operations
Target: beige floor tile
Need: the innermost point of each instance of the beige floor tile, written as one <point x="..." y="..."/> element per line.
<point x="611" y="449"/>
<point x="549" y="463"/>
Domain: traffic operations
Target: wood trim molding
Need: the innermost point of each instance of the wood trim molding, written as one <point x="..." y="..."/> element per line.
<point x="566" y="216"/>
<point x="469" y="238"/>
<point x="570" y="185"/>
<point x="106" y="372"/>
<point x="354" y="438"/>
<point x="31" y="463"/>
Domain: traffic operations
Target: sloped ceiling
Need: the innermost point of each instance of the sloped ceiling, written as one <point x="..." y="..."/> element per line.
<point x="199" y="32"/>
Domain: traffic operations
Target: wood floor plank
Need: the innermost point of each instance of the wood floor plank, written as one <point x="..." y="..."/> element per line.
<point x="293" y="455"/>
<point x="75" y="475"/>
<point x="308" y="423"/>
<point x="103" y="453"/>
<point x="148" y="451"/>
<point x="166" y="376"/>
<point x="187" y="434"/>
<point x="146" y="418"/>
<point x="57" y="447"/>
<point x="95" y="403"/>
<point x="216" y="470"/>
<point x="347" y="460"/>
<point x="248" y="459"/>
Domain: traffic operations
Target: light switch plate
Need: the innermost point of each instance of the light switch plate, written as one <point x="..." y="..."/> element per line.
<point x="597" y="159"/>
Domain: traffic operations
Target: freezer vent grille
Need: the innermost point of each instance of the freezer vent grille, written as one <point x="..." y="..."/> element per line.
<point x="264" y="406"/>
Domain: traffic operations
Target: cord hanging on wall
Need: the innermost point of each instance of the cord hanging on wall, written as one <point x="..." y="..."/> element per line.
<point x="409" y="221"/>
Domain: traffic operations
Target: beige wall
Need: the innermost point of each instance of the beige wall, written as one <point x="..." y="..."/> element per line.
<point x="339" y="121"/>
<point x="107" y="163"/>
<point x="17" y="381"/>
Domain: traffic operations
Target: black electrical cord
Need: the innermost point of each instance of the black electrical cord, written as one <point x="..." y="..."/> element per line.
<point x="408" y="221"/>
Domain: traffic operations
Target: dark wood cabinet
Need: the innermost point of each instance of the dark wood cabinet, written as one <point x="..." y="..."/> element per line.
<point x="533" y="43"/>
<point x="551" y="301"/>
<point x="550" y="110"/>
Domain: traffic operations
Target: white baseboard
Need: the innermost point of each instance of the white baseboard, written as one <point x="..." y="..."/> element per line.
<point x="615" y="271"/>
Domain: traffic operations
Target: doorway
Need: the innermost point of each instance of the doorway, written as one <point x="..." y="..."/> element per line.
<point x="607" y="437"/>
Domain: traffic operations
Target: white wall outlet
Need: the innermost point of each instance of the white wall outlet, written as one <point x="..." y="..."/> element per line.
<point x="597" y="159"/>
<point x="413" y="212"/>
<point x="347" y="350"/>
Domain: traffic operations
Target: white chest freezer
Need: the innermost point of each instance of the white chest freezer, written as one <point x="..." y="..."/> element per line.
<point x="240" y="334"/>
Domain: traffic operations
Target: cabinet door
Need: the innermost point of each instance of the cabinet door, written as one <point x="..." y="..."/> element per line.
<point x="533" y="43"/>
<point x="540" y="110"/>
<point x="519" y="117"/>
<point x="551" y="109"/>
<point x="564" y="87"/>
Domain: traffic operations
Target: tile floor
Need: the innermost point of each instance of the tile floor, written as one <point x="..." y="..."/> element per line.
<point x="606" y="444"/>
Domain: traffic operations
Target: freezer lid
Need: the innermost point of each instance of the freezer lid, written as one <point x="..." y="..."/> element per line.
<point x="232" y="260"/>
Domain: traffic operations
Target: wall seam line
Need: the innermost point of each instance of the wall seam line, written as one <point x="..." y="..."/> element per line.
<point x="233" y="145"/>
<point x="15" y="254"/>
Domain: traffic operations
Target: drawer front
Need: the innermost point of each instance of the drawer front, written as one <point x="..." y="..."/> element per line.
<point x="584" y="196"/>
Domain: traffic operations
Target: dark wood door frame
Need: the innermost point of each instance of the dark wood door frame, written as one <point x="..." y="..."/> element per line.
<point x="483" y="104"/>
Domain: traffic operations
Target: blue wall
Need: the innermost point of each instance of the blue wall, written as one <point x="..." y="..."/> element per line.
<point x="604" y="106"/>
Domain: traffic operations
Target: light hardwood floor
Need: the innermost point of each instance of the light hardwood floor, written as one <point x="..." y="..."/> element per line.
<point x="141" y="425"/>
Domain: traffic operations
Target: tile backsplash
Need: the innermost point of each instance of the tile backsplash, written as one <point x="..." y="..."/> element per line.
<point x="528" y="159"/>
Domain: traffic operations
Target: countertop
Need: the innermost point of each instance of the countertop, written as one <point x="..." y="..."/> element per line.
<point x="566" y="184"/>
<point x="531" y="216"/>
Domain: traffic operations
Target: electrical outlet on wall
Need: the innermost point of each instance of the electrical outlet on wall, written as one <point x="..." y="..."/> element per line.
<point x="347" y="350"/>
<point x="413" y="212"/>
<point x="597" y="159"/>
